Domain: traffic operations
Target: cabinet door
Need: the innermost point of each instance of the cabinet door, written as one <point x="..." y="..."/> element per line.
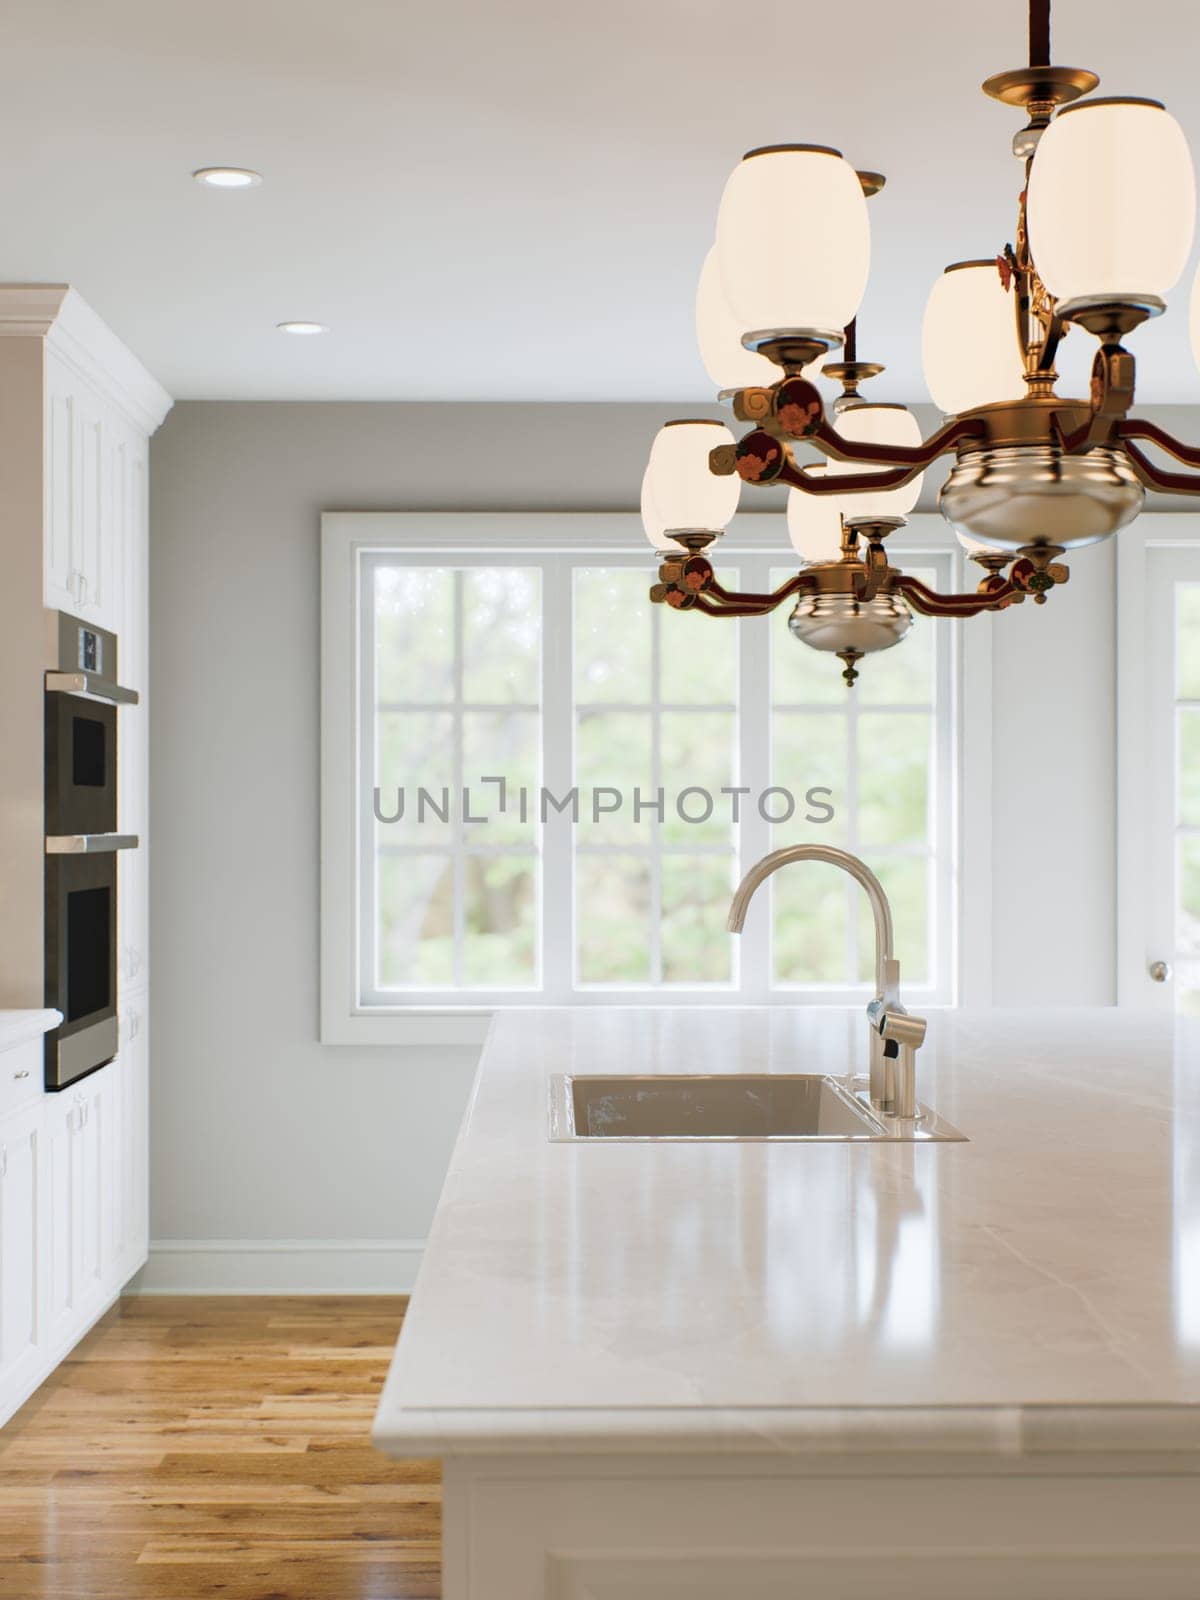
<point x="133" y="910"/>
<point x="23" y="1342"/>
<point x="60" y="587"/>
<point x="91" y="1140"/>
<point x="97" y="557"/>
<point x="135" y="1137"/>
<point x="86" y="441"/>
<point x="114" y="1156"/>
<point x="131" y="543"/>
<point x="62" y="1113"/>
<point x="132" y="916"/>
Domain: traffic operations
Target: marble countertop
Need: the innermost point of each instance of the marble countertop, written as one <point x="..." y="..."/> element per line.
<point x="16" y="1027"/>
<point x="1037" y="1287"/>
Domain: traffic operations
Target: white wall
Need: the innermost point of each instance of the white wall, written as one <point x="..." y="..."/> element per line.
<point x="260" y="1133"/>
<point x="1054" y="881"/>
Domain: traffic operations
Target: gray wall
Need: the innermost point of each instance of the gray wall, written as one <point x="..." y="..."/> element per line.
<point x="259" y="1131"/>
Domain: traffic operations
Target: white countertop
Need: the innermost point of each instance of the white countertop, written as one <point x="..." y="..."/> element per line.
<point x="1036" y="1287"/>
<point x="16" y="1027"/>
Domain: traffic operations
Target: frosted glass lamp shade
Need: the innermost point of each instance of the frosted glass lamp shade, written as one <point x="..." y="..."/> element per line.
<point x="726" y="360"/>
<point x="652" y="523"/>
<point x="815" y="524"/>
<point x="969" y="340"/>
<point x="793" y="240"/>
<point x="869" y="424"/>
<point x="1112" y="201"/>
<point x="678" y="489"/>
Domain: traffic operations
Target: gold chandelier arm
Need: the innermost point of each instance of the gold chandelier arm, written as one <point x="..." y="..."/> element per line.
<point x="740" y="610"/>
<point x="792" y="410"/>
<point x="917" y="456"/>
<point x="1160" y="477"/>
<point x="691" y="585"/>
<point x="1138" y="428"/>
<point x="849" y="483"/>
<point x="766" y="602"/>
<point x="1096" y="430"/>
<point x="929" y="603"/>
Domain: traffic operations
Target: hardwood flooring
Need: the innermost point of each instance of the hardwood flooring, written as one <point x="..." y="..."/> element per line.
<point x="201" y="1447"/>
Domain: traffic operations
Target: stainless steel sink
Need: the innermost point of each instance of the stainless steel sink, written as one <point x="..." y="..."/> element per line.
<point x="808" y="1107"/>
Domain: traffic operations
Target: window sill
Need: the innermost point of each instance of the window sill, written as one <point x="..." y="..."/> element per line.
<point x="408" y="1027"/>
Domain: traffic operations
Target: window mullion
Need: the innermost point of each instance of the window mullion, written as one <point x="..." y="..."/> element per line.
<point x="850" y="890"/>
<point x="367" y="956"/>
<point x="656" y="778"/>
<point x="753" y="835"/>
<point x="945" y="831"/>
<point x="558" y="777"/>
<point x="458" y="844"/>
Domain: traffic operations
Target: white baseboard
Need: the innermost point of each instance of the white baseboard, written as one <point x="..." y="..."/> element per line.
<point x="279" y="1266"/>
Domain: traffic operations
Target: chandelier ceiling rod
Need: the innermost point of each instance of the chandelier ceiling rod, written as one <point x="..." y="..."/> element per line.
<point x="1039" y="33"/>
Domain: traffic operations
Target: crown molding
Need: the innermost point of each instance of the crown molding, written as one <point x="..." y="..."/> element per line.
<point x="62" y="317"/>
<point x="30" y="310"/>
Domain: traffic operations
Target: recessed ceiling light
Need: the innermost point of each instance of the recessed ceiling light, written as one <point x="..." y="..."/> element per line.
<point x="228" y="177"/>
<point x="302" y="327"/>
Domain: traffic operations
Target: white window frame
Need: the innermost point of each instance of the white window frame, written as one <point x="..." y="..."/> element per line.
<point x="1145" y="931"/>
<point x="964" y="918"/>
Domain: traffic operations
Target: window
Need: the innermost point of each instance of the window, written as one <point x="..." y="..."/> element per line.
<point x="1158" y="749"/>
<point x="540" y="789"/>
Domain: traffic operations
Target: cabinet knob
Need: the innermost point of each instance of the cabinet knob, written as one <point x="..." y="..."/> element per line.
<point x="1160" y="971"/>
<point x="22" y="1074"/>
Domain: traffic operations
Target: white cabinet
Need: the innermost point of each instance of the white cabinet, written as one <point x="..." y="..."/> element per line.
<point x="95" y="511"/>
<point x="79" y="544"/>
<point x="62" y="1249"/>
<point x="128" y="463"/>
<point x="74" y="1217"/>
<point x="80" y="1165"/>
<point x="93" y="1110"/>
<point x="92" y="520"/>
<point x="131" y="541"/>
<point x="133" y="878"/>
<point x="23" y="1193"/>
<point x="133" y="914"/>
<point x="22" y="1071"/>
<point x="125" y="1148"/>
<point x="61" y="566"/>
<point x="131" y="1174"/>
<point x="73" y="1184"/>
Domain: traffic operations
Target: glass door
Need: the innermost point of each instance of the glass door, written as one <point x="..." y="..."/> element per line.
<point x="1160" y="786"/>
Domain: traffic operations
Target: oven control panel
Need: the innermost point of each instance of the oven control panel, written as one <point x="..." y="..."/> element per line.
<point x="91" y="651"/>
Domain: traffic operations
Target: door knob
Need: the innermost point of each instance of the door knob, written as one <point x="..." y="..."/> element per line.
<point x="1160" y="971"/>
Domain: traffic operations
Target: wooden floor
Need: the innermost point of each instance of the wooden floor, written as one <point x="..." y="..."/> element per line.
<point x="217" y="1447"/>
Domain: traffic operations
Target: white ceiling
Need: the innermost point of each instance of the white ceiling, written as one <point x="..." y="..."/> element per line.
<point x="502" y="202"/>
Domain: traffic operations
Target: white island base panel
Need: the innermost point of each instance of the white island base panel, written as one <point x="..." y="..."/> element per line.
<point x="844" y="1528"/>
<point x="766" y="1371"/>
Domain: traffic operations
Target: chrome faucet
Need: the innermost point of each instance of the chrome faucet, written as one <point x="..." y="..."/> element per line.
<point x="895" y="1036"/>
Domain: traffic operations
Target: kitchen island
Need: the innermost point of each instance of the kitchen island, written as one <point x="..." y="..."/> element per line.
<point x="745" y="1371"/>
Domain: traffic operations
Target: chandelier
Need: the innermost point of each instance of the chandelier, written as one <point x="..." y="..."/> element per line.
<point x="1104" y="228"/>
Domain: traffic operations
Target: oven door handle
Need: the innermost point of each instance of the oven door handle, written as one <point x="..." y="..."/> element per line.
<point x="88" y="683"/>
<point x="89" y="844"/>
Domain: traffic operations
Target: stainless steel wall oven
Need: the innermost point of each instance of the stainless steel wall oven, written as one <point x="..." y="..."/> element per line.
<point x="82" y="846"/>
